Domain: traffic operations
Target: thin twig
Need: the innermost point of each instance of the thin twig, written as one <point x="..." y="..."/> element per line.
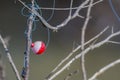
<point x="84" y="72"/>
<point x="86" y="23"/>
<point x="70" y="12"/>
<point x="76" y="49"/>
<point x="2" y="71"/>
<point x="83" y="39"/>
<point x="85" y="51"/>
<point x="40" y="17"/>
<point x="68" y="18"/>
<point x="10" y="59"/>
<point x="73" y="8"/>
<point x="114" y="42"/>
<point x="55" y="28"/>
<point x="105" y="68"/>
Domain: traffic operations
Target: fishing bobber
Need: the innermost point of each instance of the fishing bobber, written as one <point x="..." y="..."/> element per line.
<point x="38" y="47"/>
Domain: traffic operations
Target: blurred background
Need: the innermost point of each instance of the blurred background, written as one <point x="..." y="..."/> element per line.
<point x="14" y="24"/>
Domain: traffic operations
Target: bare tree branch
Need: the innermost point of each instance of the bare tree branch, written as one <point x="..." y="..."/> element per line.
<point x="2" y="70"/>
<point x="25" y="72"/>
<point x="57" y="70"/>
<point x="85" y="24"/>
<point x="105" y="68"/>
<point x="55" y="28"/>
<point x="83" y="39"/>
<point x="10" y="59"/>
<point x="114" y="42"/>
<point x="75" y="50"/>
<point x="73" y="8"/>
<point x="85" y="51"/>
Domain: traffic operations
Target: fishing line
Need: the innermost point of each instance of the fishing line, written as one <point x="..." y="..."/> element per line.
<point x="27" y="14"/>
<point x="114" y="11"/>
<point x="52" y="13"/>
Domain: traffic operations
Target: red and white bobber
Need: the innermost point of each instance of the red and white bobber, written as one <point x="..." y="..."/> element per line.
<point x="38" y="47"/>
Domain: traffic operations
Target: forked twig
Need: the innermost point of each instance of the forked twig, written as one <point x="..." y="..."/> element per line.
<point x="55" y="28"/>
<point x="89" y="4"/>
<point x="83" y="39"/>
<point x="75" y="50"/>
<point x="73" y="8"/>
<point x="85" y="51"/>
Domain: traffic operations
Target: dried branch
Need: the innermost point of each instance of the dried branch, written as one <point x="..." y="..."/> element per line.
<point x="55" y="28"/>
<point x="10" y="59"/>
<point x="76" y="49"/>
<point x="83" y="39"/>
<point x="102" y="70"/>
<point x="2" y="71"/>
<point x="114" y="42"/>
<point x="84" y="72"/>
<point x="86" y="4"/>
<point x="38" y="15"/>
<point x="85" y="51"/>
<point x="86" y="23"/>
<point x="25" y="72"/>
<point x="73" y="8"/>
